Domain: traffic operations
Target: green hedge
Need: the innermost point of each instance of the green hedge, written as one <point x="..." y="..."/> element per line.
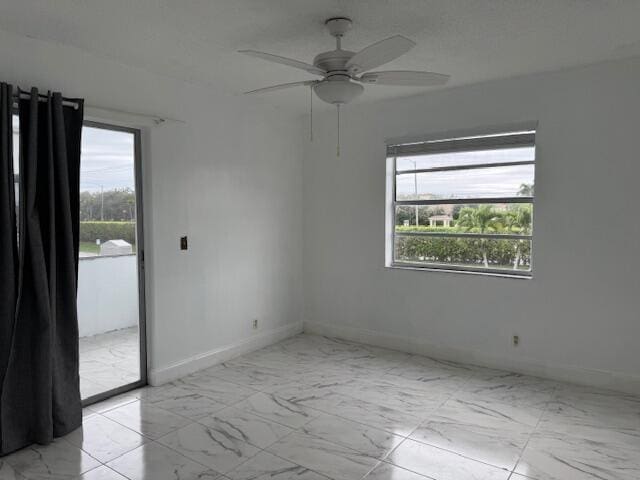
<point x="500" y="253"/>
<point x="91" y="231"/>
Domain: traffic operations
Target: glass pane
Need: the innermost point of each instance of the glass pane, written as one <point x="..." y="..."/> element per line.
<point x="418" y="162"/>
<point x="497" y="218"/>
<point x="108" y="269"/>
<point x="491" y="182"/>
<point x="507" y="254"/>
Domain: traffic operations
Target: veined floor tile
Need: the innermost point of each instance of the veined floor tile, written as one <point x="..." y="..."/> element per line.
<point x="266" y="466"/>
<point x="114" y="402"/>
<point x="334" y="461"/>
<point x="104" y="439"/>
<point x="559" y="424"/>
<point x="278" y="409"/>
<point x="439" y="464"/>
<point x="550" y="456"/>
<point x="433" y="377"/>
<point x="210" y="447"/>
<point x="214" y="387"/>
<point x="377" y="416"/>
<point x="58" y="460"/>
<point x="185" y="402"/>
<point x="101" y="473"/>
<point x="367" y="440"/>
<point x="387" y="471"/>
<point x="246" y="427"/>
<point x="419" y="403"/>
<point x="150" y="421"/>
<point x="320" y="398"/>
<point x="7" y="472"/>
<point x="252" y="376"/>
<point x="483" y="432"/>
<point x="156" y="462"/>
<point x="331" y="409"/>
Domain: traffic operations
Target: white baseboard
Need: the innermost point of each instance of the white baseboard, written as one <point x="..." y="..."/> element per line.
<point x="176" y="370"/>
<point x="622" y="382"/>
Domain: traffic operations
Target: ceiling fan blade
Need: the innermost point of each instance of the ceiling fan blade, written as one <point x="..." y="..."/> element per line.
<point x="405" y="78"/>
<point x="282" y="86"/>
<point x="379" y="53"/>
<point x="285" y="61"/>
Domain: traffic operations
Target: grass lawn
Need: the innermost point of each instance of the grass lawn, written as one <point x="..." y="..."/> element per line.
<point x="89" y="247"/>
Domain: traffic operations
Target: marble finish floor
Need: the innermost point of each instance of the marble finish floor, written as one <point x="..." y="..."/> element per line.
<point x="314" y="408"/>
<point x="109" y="360"/>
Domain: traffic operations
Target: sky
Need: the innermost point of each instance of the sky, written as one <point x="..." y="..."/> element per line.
<point x="107" y="158"/>
<point x="480" y="182"/>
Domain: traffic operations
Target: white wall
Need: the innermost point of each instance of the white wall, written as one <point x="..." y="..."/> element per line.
<point x="229" y="178"/>
<point x="107" y="294"/>
<point x="578" y="318"/>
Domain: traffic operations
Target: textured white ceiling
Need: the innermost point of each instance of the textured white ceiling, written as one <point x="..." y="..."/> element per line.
<point x="196" y="40"/>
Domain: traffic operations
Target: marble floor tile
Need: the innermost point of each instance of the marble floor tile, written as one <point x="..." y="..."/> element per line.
<point x="101" y="473"/>
<point x="265" y="466"/>
<point x="417" y="402"/>
<point x="368" y="440"/>
<point x="183" y="401"/>
<point x="259" y="378"/>
<point x="149" y="421"/>
<point x="209" y="446"/>
<point x="387" y="471"/>
<point x="153" y="461"/>
<point x="334" y="461"/>
<point x="488" y="433"/>
<point x="391" y="420"/>
<point x="433" y="377"/>
<point x="316" y="408"/>
<point x="7" y="472"/>
<point x="551" y="456"/>
<point x="108" y="360"/>
<point x="115" y="402"/>
<point x="104" y="439"/>
<point x="220" y="390"/>
<point x="520" y="396"/>
<point x="278" y="410"/>
<point x="246" y="427"/>
<point x="583" y="406"/>
<point x="440" y="464"/>
<point x="58" y="460"/>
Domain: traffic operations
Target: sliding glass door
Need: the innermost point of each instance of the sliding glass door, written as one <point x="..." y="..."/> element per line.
<point x="110" y="272"/>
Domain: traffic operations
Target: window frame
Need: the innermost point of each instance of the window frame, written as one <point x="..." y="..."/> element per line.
<point x="498" y="139"/>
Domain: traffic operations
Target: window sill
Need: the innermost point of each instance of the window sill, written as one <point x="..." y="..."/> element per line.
<point x="432" y="268"/>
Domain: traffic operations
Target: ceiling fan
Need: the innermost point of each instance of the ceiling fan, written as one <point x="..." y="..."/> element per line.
<point x="344" y="71"/>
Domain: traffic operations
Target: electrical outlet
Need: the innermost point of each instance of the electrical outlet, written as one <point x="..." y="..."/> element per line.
<point x="516" y="340"/>
<point x="255" y="323"/>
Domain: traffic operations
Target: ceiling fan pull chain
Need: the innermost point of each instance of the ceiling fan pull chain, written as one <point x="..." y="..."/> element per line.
<point x="338" y="147"/>
<point x="311" y="113"/>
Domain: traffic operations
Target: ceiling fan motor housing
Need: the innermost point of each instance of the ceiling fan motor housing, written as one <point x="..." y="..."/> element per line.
<point x="333" y="61"/>
<point x="338" y="89"/>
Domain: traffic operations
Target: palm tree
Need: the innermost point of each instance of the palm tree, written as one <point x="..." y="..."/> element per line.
<point x="526" y="190"/>
<point x="482" y="219"/>
<point x="519" y="220"/>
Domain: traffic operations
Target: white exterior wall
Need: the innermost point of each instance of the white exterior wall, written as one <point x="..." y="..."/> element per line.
<point x="107" y="294"/>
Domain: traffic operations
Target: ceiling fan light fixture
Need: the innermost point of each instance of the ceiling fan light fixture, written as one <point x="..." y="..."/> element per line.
<point x="338" y="92"/>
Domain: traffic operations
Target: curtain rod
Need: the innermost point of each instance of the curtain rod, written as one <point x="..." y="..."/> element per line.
<point x="88" y="108"/>
<point x="43" y="98"/>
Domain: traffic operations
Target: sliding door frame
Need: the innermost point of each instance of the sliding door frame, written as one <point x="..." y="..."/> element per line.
<point x="140" y="256"/>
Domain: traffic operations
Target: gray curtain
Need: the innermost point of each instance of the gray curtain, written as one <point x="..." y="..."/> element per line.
<point x="40" y="396"/>
<point x="8" y="235"/>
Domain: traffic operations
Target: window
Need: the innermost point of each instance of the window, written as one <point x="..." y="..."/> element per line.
<point x="463" y="204"/>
